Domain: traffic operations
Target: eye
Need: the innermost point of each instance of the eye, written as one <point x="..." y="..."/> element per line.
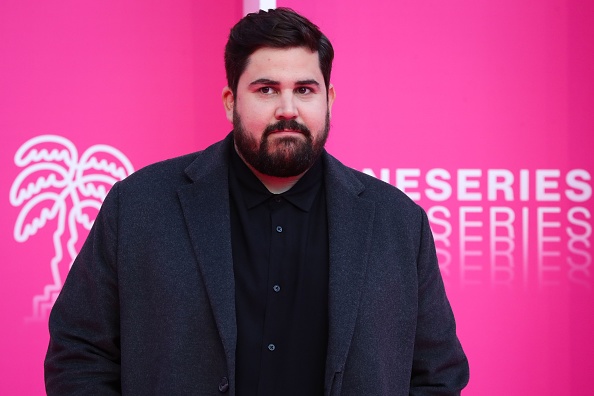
<point x="267" y="90"/>
<point x="303" y="90"/>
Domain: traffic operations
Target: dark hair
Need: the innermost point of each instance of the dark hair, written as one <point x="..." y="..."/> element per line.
<point x="275" y="28"/>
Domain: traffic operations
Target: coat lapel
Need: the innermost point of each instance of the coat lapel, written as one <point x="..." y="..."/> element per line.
<point x="350" y="221"/>
<point x="205" y="204"/>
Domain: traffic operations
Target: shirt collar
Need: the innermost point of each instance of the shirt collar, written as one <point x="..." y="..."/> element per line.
<point x="254" y="193"/>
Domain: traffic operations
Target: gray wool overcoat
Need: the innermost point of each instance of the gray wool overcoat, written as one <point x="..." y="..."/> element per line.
<point x="148" y="307"/>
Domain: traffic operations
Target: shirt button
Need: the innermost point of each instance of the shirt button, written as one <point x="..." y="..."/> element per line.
<point x="271" y="347"/>
<point x="276" y="288"/>
<point x="224" y="385"/>
<point x="279" y="229"/>
<point x="277" y="199"/>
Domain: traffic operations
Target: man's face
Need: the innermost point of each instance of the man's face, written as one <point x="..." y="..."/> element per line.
<point x="281" y="111"/>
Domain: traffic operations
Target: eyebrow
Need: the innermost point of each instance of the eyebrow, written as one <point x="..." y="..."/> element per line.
<point x="308" y="82"/>
<point x="264" y="81"/>
<point x="267" y="81"/>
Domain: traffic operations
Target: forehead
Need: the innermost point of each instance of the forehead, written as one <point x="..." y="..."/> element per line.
<point x="282" y="64"/>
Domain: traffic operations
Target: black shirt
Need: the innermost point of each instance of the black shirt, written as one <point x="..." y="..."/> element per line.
<point x="280" y="261"/>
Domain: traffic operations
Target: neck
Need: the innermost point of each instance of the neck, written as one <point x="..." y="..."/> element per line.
<point x="274" y="184"/>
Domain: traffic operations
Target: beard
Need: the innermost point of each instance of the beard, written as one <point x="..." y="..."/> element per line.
<point x="280" y="156"/>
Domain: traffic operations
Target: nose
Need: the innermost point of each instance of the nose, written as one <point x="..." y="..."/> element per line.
<point x="287" y="108"/>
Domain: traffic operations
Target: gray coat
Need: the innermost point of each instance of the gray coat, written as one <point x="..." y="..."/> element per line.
<point x="149" y="304"/>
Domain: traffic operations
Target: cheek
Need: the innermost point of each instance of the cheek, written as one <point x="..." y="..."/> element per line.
<point x="253" y="125"/>
<point x="316" y="121"/>
<point x="254" y="118"/>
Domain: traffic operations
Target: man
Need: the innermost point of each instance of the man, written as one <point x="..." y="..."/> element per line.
<point x="261" y="265"/>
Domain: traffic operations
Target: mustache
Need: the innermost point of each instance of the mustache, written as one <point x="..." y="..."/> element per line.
<point x="286" y="124"/>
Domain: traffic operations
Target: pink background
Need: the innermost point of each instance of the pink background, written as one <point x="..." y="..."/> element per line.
<point x="421" y="86"/>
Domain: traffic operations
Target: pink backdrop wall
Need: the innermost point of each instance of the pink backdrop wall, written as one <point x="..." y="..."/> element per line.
<point x="142" y="78"/>
<point x="481" y="111"/>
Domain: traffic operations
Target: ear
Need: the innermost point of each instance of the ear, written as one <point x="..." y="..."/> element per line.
<point x="228" y="103"/>
<point x="331" y="97"/>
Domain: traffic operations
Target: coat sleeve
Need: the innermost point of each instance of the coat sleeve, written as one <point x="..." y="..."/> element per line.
<point x="83" y="356"/>
<point x="440" y="366"/>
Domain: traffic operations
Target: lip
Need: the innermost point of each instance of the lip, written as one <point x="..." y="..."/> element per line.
<point x="287" y="131"/>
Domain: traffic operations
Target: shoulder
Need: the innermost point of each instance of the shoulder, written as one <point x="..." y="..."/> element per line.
<point x="384" y="195"/>
<point x="147" y="191"/>
<point x="158" y="174"/>
<point x="151" y="194"/>
<point x="175" y="172"/>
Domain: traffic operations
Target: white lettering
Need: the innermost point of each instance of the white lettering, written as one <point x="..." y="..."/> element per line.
<point x="575" y="179"/>
<point x="464" y="184"/>
<point x="524" y="185"/>
<point x="579" y="272"/>
<point x="465" y="239"/>
<point x="404" y="183"/>
<point x="502" y="273"/>
<point x="500" y="180"/>
<point x="525" y="237"/>
<point x="544" y="183"/>
<point x="541" y="239"/>
<point x="436" y="178"/>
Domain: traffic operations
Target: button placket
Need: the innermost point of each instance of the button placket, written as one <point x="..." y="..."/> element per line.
<point x="271" y="335"/>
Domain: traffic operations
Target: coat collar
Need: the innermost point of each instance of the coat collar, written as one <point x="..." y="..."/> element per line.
<point x="205" y="203"/>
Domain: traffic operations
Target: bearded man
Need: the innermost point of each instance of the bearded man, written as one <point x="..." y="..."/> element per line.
<point x="261" y="265"/>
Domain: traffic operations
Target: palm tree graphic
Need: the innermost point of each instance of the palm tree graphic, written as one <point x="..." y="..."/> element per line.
<point x="56" y="185"/>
